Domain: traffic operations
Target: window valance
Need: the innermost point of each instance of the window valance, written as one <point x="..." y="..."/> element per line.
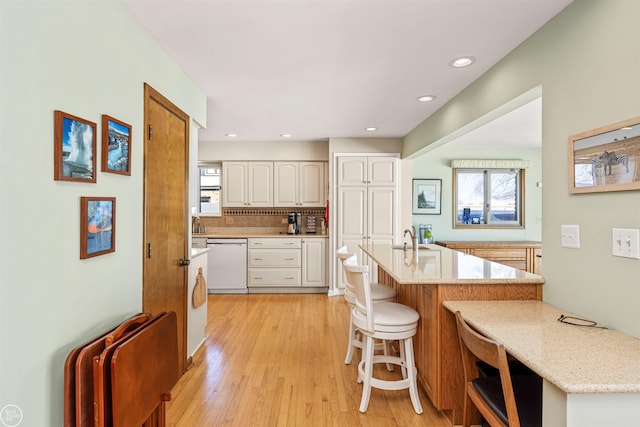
<point x="490" y="164"/>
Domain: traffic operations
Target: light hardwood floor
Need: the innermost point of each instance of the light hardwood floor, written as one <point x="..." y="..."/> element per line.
<point x="278" y="360"/>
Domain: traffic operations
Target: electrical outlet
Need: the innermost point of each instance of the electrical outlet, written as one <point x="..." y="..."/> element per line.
<point x="285" y="221"/>
<point x="570" y="236"/>
<point x="626" y="242"/>
<point x="228" y="220"/>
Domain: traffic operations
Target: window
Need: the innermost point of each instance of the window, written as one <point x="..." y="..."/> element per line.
<point x="209" y="189"/>
<point x="488" y="198"/>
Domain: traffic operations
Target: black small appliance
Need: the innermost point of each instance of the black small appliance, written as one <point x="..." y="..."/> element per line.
<point x="293" y="227"/>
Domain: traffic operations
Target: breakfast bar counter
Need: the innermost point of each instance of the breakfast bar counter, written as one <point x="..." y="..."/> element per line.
<point x="424" y="280"/>
<point x="436" y="264"/>
<point x="591" y="374"/>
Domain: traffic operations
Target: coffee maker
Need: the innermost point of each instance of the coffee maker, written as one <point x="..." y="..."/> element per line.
<point x="293" y="226"/>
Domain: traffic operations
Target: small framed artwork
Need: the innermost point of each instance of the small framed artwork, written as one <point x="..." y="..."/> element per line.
<point x="116" y="146"/>
<point x="97" y="226"/>
<point x="427" y="196"/>
<point x="74" y="145"/>
<point x="605" y="159"/>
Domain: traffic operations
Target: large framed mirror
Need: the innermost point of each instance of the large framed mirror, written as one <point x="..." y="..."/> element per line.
<point x="606" y="158"/>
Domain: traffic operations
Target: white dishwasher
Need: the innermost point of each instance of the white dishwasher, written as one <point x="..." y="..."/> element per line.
<point x="227" y="266"/>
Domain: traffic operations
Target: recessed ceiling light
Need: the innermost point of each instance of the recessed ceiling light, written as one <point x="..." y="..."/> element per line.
<point x="231" y="135"/>
<point x="371" y="129"/>
<point x="462" y="62"/>
<point x="285" y="135"/>
<point x="426" y="98"/>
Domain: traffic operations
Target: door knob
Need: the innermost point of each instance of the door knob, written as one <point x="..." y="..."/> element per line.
<point x="183" y="262"/>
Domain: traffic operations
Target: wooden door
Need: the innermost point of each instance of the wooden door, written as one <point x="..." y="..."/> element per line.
<point x="166" y="226"/>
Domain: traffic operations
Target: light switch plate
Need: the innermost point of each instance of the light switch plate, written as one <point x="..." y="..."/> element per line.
<point x="626" y="242"/>
<point x="570" y="236"/>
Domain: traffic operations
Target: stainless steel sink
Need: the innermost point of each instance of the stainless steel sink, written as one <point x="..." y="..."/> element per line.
<point x="409" y="247"/>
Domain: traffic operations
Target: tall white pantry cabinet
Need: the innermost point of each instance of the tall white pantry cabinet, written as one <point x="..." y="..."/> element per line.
<point x="367" y="211"/>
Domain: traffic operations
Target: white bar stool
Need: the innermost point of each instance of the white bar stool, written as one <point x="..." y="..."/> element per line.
<point x="379" y="292"/>
<point x="386" y="321"/>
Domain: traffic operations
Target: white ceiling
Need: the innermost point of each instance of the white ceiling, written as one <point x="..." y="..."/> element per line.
<point x="329" y="68"/>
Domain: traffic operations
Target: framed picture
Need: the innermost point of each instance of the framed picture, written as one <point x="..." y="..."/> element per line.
<point x="427" y="196"/>
<point x="97" y="226"/>
<point x="116" y="146"/>
<point x="74" y="145"/>
<point x="605" y="159"/>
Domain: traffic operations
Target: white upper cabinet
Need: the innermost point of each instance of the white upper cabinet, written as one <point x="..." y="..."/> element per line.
<point x="355" y="170"/>
<point x="285" y="183"/>
<point x="247" y="184"/>
<point x="381" y="170"/>
<point x="299" y="184"/>
<point x="234" y="183"/>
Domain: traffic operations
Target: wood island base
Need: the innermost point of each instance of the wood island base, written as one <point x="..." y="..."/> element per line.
<point x="436" y="344"/>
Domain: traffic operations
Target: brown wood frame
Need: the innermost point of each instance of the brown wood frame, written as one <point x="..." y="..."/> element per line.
<point x="105" y="145"/>
<point x="591" y="150"/>
<point x="85" y="224"/>
<point x="58" y="143"/>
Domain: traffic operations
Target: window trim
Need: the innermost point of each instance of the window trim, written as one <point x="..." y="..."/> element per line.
<point x="206" y="166"/>
<point x="520" y="211"/>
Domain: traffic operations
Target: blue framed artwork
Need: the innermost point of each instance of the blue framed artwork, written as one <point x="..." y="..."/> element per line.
<point x="74" y="145"/>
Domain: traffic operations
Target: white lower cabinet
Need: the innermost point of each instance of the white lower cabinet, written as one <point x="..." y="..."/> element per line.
<point x="314" y="261"/>
<point x="274" y="277"/>
<point x="286" y="262"/>
<point x="274" y="262"/>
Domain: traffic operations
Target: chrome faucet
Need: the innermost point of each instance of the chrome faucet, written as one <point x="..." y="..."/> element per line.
<point x="414" y="237"/>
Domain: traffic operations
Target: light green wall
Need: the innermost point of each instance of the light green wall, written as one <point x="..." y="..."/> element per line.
<point x="263" y="150"/>
<point x="87" y="59"/>
<point x="436" y="164"/>
<point x="587" y="61"/>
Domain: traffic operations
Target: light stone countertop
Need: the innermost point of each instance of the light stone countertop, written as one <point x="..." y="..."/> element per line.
<point x="576" y="359"/>
<point x="434" y="264"/>
<point x="254" y="234"/>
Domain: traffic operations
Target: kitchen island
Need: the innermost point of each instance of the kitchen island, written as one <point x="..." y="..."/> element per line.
<point x="425" y="279"/>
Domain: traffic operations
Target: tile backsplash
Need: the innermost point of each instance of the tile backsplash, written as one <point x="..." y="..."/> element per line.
<point x="258" y="220"/>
